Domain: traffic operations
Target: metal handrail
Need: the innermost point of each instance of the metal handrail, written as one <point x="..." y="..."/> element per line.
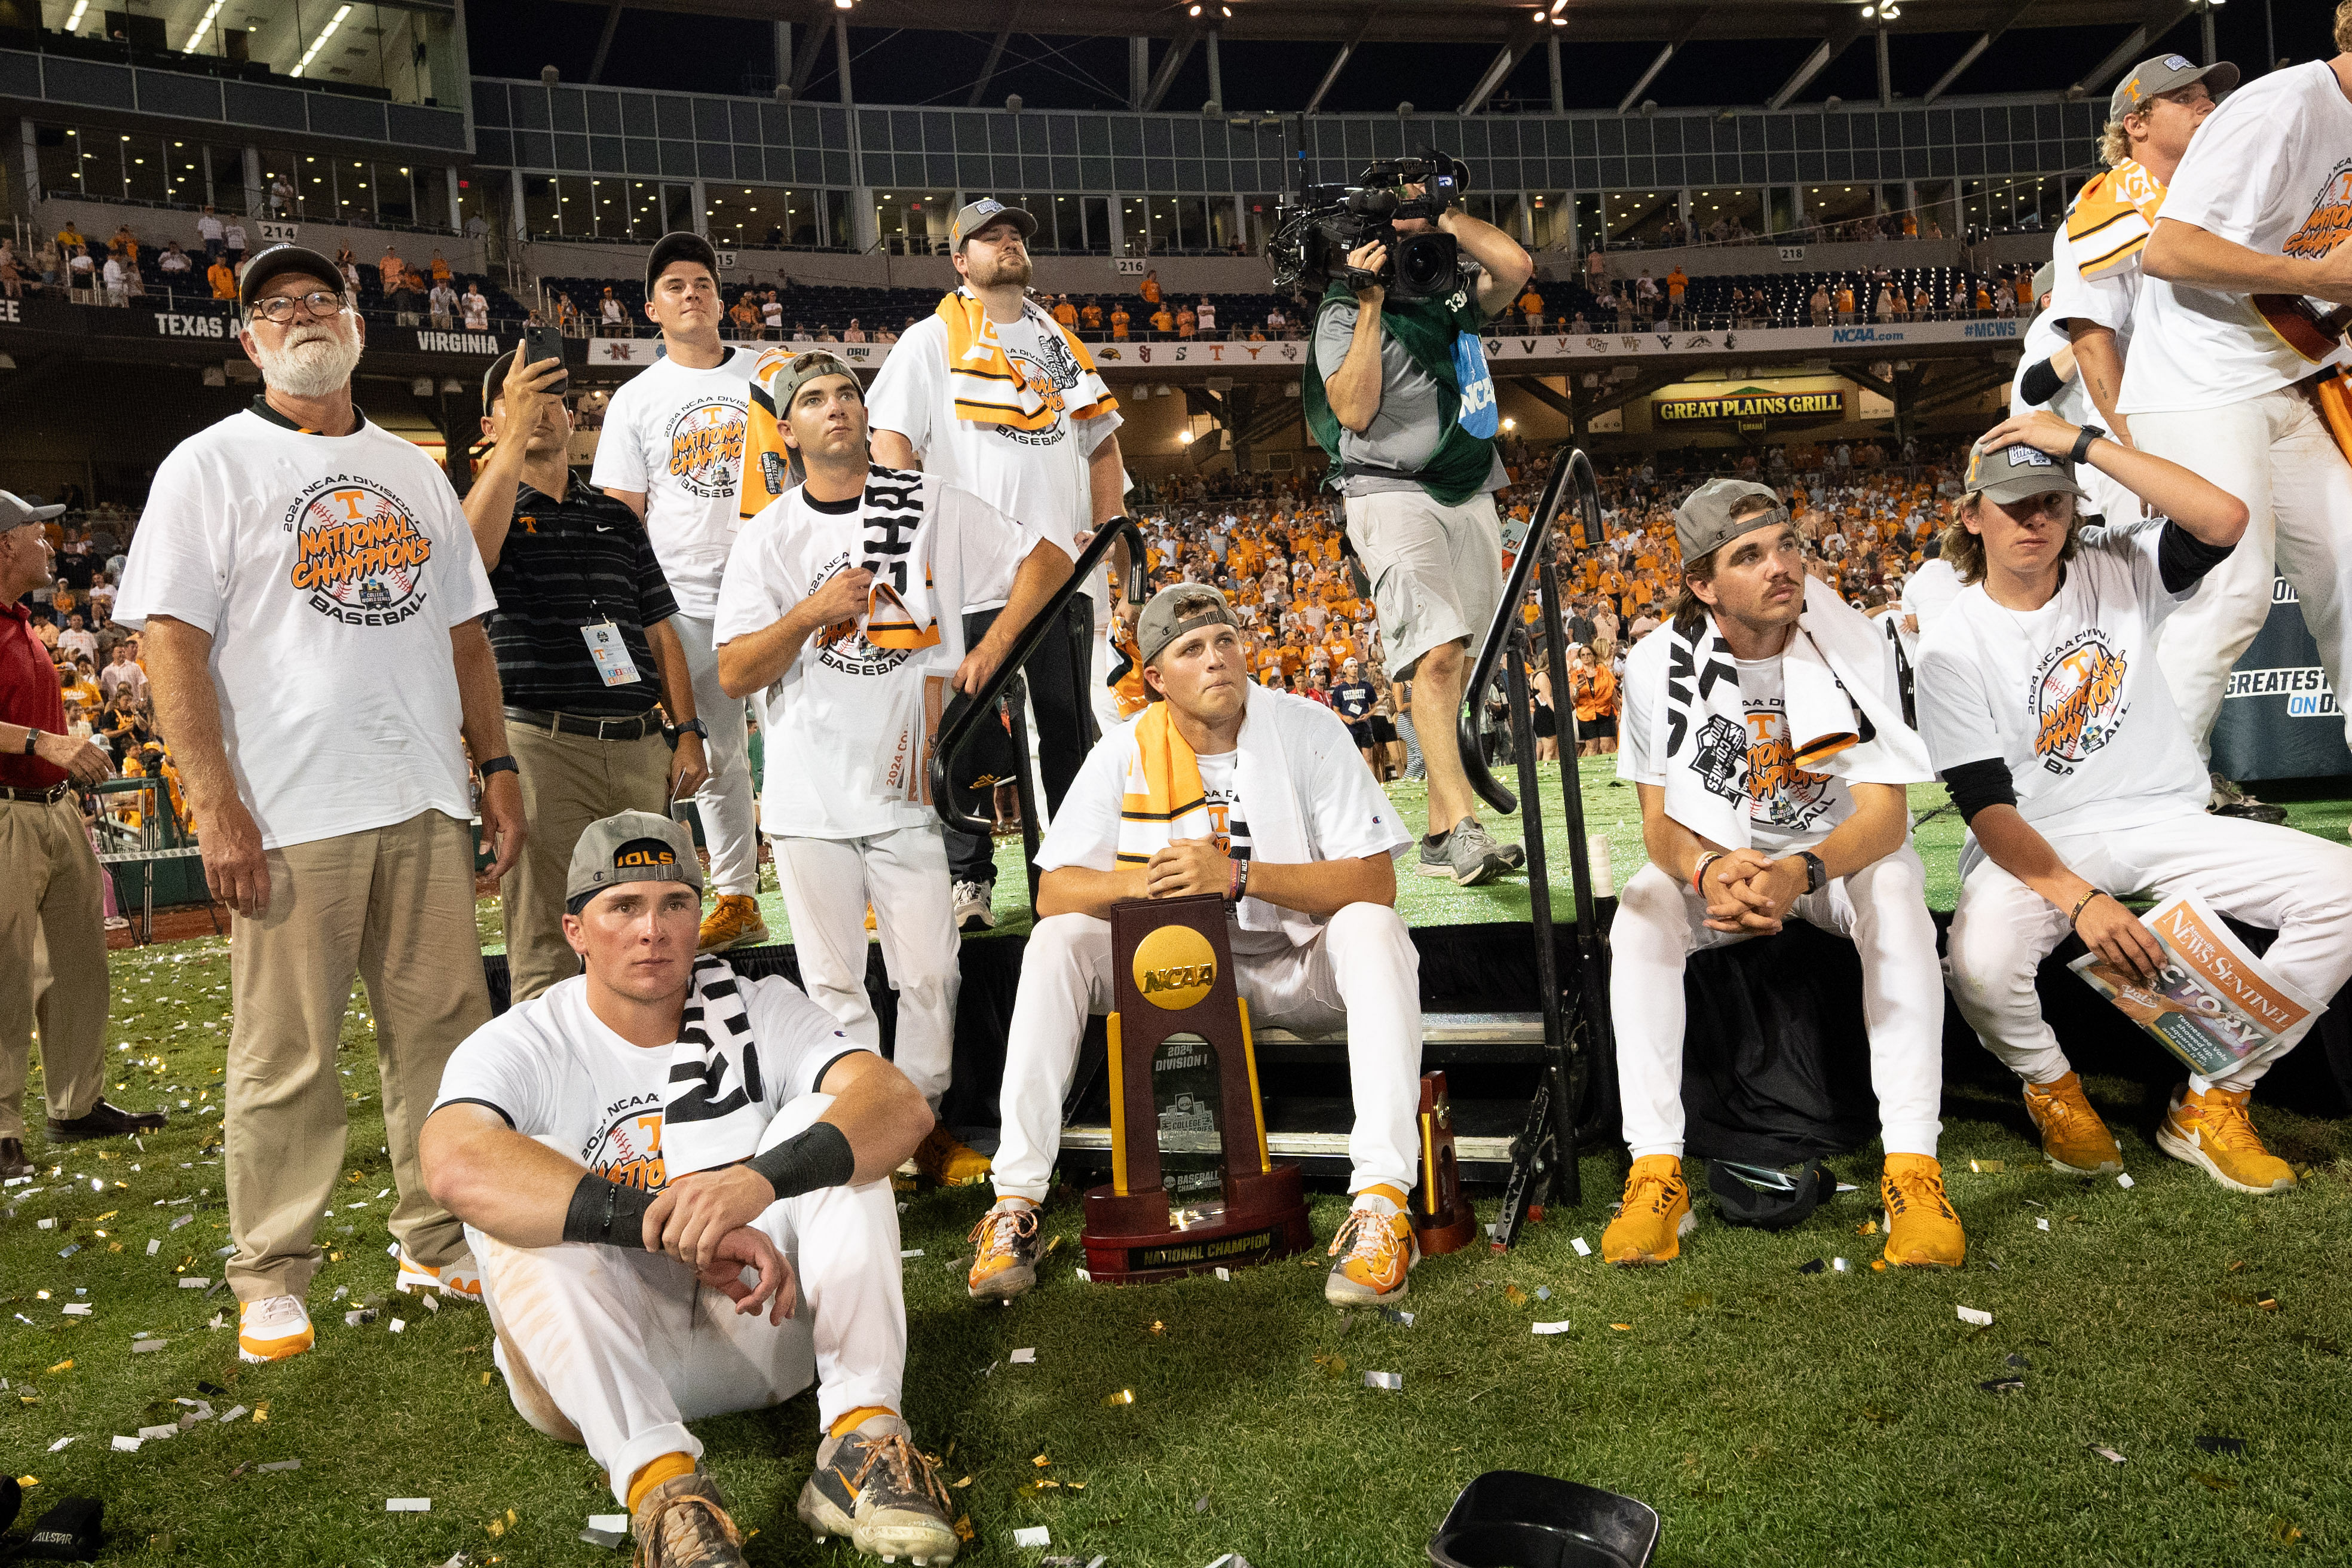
<point x="958" y="730"/>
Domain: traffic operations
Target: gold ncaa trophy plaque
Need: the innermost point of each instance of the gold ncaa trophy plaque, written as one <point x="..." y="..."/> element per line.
<point x="1191" y="1188"/>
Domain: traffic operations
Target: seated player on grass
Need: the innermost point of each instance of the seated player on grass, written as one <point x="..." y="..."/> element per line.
<point x="1763" y="730"/>
<point x="2051" y="722"/>
<point x="622" y="1148"/>
<point x="1224" y="787"/>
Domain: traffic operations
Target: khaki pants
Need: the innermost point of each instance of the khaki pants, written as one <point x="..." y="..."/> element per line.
<point x="52" y="960"/>
<point x="568" y="781"/>
<point x="395" y="905"/>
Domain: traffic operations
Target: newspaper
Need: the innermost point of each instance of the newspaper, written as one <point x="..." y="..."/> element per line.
<point x="2213" y="1004"/>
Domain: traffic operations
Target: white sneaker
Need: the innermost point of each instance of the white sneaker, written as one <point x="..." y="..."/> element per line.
<point x="273" y="1328"/>
<point x="974" y="906"/>
<point x="459" y="1280"/>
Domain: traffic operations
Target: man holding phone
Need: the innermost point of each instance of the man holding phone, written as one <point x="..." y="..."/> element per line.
<point x="585" y="649"/>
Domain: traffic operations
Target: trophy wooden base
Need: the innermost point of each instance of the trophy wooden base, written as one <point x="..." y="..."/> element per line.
<point x="1443" y="1220"/>
<point x="1129" y="1240"/>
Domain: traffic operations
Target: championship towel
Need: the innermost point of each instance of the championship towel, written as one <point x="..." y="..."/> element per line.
<point x="713" y="1111"/>
<point x="895" y="544"/>
<point x="989" y="386"/>
<point x="1843" y="716"/>
<point x="2112" y="219"/>
<point x="1163" y="801"/>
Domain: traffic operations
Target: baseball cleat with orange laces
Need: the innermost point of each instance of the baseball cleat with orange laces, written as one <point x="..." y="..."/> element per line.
<point x="1004" y="1252"/>
<point x="1654" y="1215"/>
<point x="2212" y="1132"/>
<point x="1376" y="1249"/>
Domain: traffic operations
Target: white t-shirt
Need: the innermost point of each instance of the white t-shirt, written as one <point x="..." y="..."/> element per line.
<point x="1038" y="475"/>
<point x="561" y="1077"/>
<point x="2268" y="170"/>
<point x="848" y="721"/>
<point x="2106" y="300"/>
<point x="329" y="570"/>
<point x="1344" y="812"/>
<point x="208" y="227"/>
<point x="1789" y="808"/>
<point x="1929" y="592"/>
<point x="1206" y="316"/>
<point x="2044" y="336"/>
<point x="478" y="311"/>
<point x="676" y="436"/>
<point x="2069" y="695"/>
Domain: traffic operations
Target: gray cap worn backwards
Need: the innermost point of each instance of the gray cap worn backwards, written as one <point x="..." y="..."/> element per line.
<point x="16" y="512"/>
<point x="1703" y="523"/>
<point x="2018" y="473"/>
<point x="2153" y="78"/>
<point x="1161" y="625"/>
<point x="802" y="369"/>
<point x="630" y="846"/>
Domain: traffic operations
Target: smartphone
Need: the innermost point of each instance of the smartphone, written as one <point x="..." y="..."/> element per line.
<point x="544" y="343"/>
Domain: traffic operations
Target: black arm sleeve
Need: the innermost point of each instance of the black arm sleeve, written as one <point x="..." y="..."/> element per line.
<point x="2183" y="559"/>
<point x="818" y="1157"/>
<point x="1976" y="786"/>
<point x="2039" y="384"/>
<point x="607" y="1213"/>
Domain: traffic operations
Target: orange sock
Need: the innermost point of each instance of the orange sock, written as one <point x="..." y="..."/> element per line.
<point x="668" y="1468"/>
<point x="852" y="1420"/>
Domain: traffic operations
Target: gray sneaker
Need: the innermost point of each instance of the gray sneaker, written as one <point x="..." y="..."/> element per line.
<point x="1467" y="856"/>
<point x="877" y="1488"/>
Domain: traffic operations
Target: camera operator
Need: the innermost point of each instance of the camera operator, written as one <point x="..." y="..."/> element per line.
<point x="1399" y="395"/>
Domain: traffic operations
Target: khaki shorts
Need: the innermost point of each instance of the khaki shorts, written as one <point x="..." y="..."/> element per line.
<point x="1437" y="571"/>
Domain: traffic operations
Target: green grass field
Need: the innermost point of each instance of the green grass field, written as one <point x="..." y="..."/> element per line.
<point x="1769" y="1416"/>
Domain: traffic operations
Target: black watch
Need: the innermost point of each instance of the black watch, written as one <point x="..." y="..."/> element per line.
<point x="2083" y="443"/>
<point x="489" y="765"/>
<point x="1817" y="875"/>
<point x="32" y="739"/>
<point x="670" y="733"/>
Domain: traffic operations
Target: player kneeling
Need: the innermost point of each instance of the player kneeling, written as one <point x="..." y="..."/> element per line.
<point x="1224" y="787"/>
<point x="1764" y="731"/>
<point x="2051" y="723"/>
<point x="724" y="1124"/>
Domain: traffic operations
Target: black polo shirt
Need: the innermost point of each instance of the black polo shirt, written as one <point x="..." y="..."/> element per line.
<point x="566" y="565"/>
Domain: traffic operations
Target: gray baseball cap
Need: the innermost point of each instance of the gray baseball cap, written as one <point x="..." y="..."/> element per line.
<point x="977" y="215"/>
<point x="2018" y="473"/>
<point x="1703" y="523"/>
<point x="2161" y="75"/>
<point x="800" y="369"/>
<point x="16" y="512"/>
<point x="1161" y="625"/>
<point x="630" y="846"/>
<point x="2046" y="278"/>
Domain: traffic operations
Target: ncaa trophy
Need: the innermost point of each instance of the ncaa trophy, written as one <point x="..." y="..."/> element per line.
<point x="1191" y="1188"/>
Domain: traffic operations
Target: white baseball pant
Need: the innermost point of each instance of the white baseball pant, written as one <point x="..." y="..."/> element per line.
<point x="730" y="823"/>
<point x="2298" y="885"/>
<point x="1880" y="909"/>
<point x="828" y="884"/>
<point x="2275" y="453"/>
<point x="618" y="1349"/>
<point x="1363" y="972"/>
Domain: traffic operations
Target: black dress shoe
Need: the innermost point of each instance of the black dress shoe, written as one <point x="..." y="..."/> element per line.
<point x="13" y="1163"/>
<point x="104" y="1121"/>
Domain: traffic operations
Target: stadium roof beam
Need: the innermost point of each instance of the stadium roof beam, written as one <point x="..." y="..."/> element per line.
<point x="2157" y="18"/>
<point x="995" y="55"/>
<point x="1984" y="41"/>
<point x="1504" y="63"/>
<point x="1688" y="30"/>
<point x="604" y="42"/>
<point x="1170" y="64"/>
<point x="814" y="36"/>
<point x="1842" y="33"/>
<point x="1339" y="61"/>
<point x="1534" y="388"/>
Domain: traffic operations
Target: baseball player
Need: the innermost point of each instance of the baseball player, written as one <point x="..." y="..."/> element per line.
<point x="2226" y="337"/>
<point x="673" y="451"/>
<point x="1224" y="787"/>
<point x="2057" y="735"/>
<point x="1763" y="730"/>
<point x="840" y="613"/>
<point x="622" y="1148"/>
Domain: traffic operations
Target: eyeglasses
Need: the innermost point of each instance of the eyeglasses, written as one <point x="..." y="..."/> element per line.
<point x="317" y="303"/>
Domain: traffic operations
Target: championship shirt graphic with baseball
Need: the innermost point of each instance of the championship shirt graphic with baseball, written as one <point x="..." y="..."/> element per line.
<point x="676" y="436"/>
<point x="1788" y="807"/>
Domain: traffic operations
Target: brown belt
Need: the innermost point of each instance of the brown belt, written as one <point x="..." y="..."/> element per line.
<point x="49" y="797"/>
<point x="634" y="728"/>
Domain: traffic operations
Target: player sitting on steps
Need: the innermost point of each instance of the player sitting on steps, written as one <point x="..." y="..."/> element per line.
<point x="1764" y="731"/>
<point x="622" y="1148"/>
<point x="2054" y="728"/>
<point x="1224" y="787"/>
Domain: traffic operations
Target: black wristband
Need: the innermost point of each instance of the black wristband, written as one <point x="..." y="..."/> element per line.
<point x="2083" y="443"/>
<point x="818" y="1157"/>
<point x="607" y="1213"/>
<point x="489" y="765"/>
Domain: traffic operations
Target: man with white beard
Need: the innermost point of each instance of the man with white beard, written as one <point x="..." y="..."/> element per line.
<point x="312" y="603"/>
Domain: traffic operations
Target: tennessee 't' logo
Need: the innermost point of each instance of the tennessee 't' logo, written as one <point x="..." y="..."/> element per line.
<point x="706" y="447"/>
<point x="2077" y="700"/>
<point x="2330" y="217"/>
<point x="359" y="555"/>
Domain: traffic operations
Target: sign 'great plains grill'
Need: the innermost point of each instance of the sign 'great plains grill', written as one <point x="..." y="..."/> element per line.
<point x="1752" y="403"/>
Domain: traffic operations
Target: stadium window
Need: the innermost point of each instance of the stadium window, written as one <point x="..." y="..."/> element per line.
<point x="645" y="211"/>
<point x="541" y="212"/>
<point x="1093" y="213"/>
<point x="56" y="157"/>
<point x="1135" y="226"/>
<point x="575" y="206"/>
<point x="396" y="190"/>
<point x="1548" y="219"/>
<point x="839" y="231"/>
<point x="677" y="208"/>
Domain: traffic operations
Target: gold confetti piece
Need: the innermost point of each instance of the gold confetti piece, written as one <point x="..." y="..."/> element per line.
<point x="496" y="1528"/>
<point x="1513" y="1295"/>
<point x="1623" y="1328"/>
<point x="2284" y="1532"/>
<point x="1987" y="1167"/>
<point x="107" y="1215"/>
<point x="1158" y="1327"/>
<point x="1040" y="1461"/>
<point x="1075" y="1486"/>
<point x="2240" y="1263"/>
<point x="66" y="1365"/>
<point x="1878" y="1266"/>
<point x="261" y="1413"/>
<point x="964" y="1529"/>
<point x="2212" y="1481"/>
<point x="1124" y="1396"/>
<point x="28" y="1482"/>
<point x="1050" y="1245"/>
<point x="1867" y="1228"/>
<point x="486" y="1380"/>
<point x="961" y="1484"/>
<point x="1335" y="1366"/>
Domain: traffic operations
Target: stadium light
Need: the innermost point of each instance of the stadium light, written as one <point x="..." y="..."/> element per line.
<point x="74" y="21"/>
<point x="203" y="27"/>
<point x="320" y="41"/>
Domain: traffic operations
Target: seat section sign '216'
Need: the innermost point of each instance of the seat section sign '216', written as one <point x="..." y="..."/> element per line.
<point x="359" y="556"/>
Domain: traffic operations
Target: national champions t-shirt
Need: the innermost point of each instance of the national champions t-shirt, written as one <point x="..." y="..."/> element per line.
<point x="676" y="436"/>
<point x="1788" y="807"/>
<point x="2271" y="169"/>
<point x="560" y="1076"/>
<point x="2069" y="695"/>
<point x="329" y="571"/>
